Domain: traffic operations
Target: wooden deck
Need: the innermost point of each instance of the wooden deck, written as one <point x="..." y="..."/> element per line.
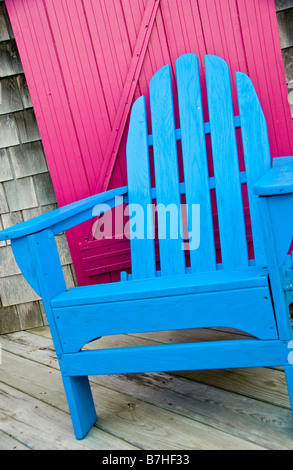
<point x="226" y="410"/>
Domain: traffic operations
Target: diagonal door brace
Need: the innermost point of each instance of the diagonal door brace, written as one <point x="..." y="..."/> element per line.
<point x="128" y="94"/>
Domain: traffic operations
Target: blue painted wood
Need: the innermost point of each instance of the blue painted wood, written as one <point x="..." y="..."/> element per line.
<point x="195" y="163"/>
<point x="225" y="160"/>
<point x="275" y="274"/>
<point x="256" y="154"/>
<point x="66" y="217"/>
<point x="277" y="181"/>
<point x="172" y="258"/>
<point x="21" y="248"/>
<point x="281" y="214"/>
<point x="197" y="283"/>
<point x="190" y="356"/>
<point x="207" y="127"/>
<point x="288" y="280"/>
<point x="212" y="184"/>
<point x="289" y="297"/>
<point x="249" y="310"/>
<point x="80" y="402"/>
<point x="289" y="378"/>
<point x="251" y="296"/>
<point x="38" y="258"/>
<point x="143" y="260"/>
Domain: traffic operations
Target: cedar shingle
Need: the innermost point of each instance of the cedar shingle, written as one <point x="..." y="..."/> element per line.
<point x="25" y="96"/>
<point x="4" y="34"/>
<point x="3" y="201"/>
<point x="283" y="4"/>
<point x="30" y="315"/>
<point x="10" y="96"/>
<point x="2" y="243"/>
<point x="5" y="168"/>
<point x="11" y="218"/>
<point x="28" y="159"/>
<point x="27" y="126"/>
<point x="10" y="63"/>
<point x="63" y="250"/>
<point x="8" y="265"/>
<point x="9" y="320"/>
<point x="285" y="22"/>
<point x="288" y="63"/>
<point x="21" y="194"/>
<point x="8" y="131"/>
<point x="15" y="290"/>
<point x="44" y="189"/>
<point x="35" y="212"/>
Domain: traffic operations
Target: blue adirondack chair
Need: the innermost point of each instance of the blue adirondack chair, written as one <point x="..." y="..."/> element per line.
<point x="249" y="295"/>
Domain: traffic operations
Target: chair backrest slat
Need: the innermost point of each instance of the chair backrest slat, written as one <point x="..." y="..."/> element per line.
<point x="195" y="164"/>
<point x="143" y="260"/>
<point x="226" y="166"/>
<point x="172" y="256"/>
<point x="257" y="154"/>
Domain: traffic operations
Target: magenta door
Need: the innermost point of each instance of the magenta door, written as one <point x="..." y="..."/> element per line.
<point x="85" y="62"/>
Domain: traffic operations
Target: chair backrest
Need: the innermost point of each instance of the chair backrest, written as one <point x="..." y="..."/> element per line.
<point x="196" y="188"/>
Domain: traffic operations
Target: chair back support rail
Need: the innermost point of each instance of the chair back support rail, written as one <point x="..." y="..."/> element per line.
<point x="182" y="284"/>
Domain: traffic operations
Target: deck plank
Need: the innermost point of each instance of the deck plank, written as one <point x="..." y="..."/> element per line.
<point x="40" y="426"/>
<point x="242" y="409"/>
<point x="7" y="442"/>
<point x="265" y="384"/>
<point x="143" y="424"/>
<point x="232" y="413"/>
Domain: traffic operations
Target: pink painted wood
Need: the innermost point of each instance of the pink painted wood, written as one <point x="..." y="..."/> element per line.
<point x="78" y="58"/>
<point x="129" y="87"/>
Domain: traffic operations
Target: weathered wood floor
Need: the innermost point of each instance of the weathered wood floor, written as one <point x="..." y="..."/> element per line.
<point x="226" y="410"/>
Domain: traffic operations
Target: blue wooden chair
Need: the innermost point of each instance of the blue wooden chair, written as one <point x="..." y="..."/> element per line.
<point x="248" y="295"/>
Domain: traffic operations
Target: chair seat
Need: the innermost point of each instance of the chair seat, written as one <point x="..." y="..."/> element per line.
<point x="237" y="299"/>
<point x="163" y="286"/>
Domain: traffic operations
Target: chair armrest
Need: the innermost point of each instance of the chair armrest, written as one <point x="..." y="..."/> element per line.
<point x="278" y="180"/>
<point x="68" y="216"/>
<point x="275" y="191"/>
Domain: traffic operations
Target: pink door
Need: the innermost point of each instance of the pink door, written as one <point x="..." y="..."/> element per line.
<point x="85" y="62"/>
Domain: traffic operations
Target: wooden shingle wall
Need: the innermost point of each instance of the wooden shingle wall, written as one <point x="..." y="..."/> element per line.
<point x="25" y="185"/>
<point x="26" y="189"/>
<point x="285" y="21"/>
